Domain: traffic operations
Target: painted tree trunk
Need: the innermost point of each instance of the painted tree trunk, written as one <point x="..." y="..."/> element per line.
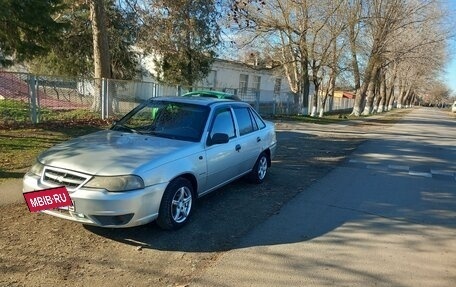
<point x="361" y="92"/>
<point x="391" y="99"/>
<point x="408" y="97"/>
<point x="315" y="99"/>
<point x="402" y="97"/>
<point x="369" y="98"/>
<point x="382" y="101"/>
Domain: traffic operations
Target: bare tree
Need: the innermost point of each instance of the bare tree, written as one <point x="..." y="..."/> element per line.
<point x="323" y="34"/>
<point x="282" y="25"/>
<point x="391" y="44"/>
<point x="396" y="30"/>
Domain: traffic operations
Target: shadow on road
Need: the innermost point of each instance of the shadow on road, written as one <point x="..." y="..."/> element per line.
<point x="224" y="217"/>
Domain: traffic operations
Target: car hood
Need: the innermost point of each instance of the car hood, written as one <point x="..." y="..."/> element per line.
<point x="115" y="153"/>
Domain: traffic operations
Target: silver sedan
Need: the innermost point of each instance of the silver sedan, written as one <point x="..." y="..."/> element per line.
<point x="155" y="161"/>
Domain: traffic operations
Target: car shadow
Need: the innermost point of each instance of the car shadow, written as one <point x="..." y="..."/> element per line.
<point x="235" y="216"/>
<point x="224" y="216"/>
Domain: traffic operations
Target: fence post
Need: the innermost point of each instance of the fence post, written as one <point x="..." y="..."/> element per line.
<point x="32" y="94"/>
<point x="108" y="101"/>
<point x="103" y="99"/>
<point x="257" y="100"/>
<point x="288" y="103"/>
<point x="179" y="90"/>
<point x="274" y="104"/>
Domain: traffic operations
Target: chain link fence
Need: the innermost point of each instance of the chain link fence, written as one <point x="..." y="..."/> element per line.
<point x="31" y="98"/>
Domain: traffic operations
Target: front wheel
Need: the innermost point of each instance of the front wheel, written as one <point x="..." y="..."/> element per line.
<point x="259" y="171"/>
<point x="176" y="205"/>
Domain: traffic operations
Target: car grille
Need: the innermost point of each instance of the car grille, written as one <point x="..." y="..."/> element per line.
<point x="60" y="177"/>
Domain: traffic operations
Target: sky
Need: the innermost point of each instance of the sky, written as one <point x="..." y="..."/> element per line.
<point x="450" y="71"/>
<point x="449" y="75"/>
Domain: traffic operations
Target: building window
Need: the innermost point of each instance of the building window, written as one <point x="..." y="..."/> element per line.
<point x="211" y="79"/>
<point x="256" y="83"/>
<point x="243" y="84"/>
<point x="277" y="86"/>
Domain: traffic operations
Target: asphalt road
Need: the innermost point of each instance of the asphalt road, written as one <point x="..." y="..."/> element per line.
<point x="385" y="217"/>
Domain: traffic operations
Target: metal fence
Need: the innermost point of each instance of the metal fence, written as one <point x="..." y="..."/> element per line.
<point x="27" y="97"/>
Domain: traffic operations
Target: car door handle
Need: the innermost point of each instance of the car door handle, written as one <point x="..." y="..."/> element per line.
<point x="238" y="147"/>
<point x="258" y="139"/>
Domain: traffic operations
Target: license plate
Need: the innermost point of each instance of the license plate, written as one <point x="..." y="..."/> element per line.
<point x="69" y="208"/>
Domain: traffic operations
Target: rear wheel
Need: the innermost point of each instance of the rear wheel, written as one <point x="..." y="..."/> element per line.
<point x="176" y="205"/>
<point x="260" y="169"/>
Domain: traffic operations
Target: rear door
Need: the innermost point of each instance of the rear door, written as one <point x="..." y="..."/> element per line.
<point x="250" y="138"/>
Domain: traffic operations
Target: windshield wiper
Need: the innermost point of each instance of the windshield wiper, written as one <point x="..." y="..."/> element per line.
<point x="128" y="129"/>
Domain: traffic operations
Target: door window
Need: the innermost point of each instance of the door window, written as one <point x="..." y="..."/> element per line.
<point x="223" y="123"/>
<point x="244" y="120"/>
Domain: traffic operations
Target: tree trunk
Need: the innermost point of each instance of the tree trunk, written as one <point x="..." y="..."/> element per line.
<point x="304" y="105"/>
<point x="382" y="100"/>
<point x="371" y="91"/>
<point x="390" y="94"/>
<point x="315" y="99"/>
<point x="369" y="98"/>
<point x="407" y="98"/>
<point x="101" y="56"/>
<point x="402" y="96"/>
<point x="361" y="92"/>
<point x="391" y="98"/>
<point x="354" y="59"/>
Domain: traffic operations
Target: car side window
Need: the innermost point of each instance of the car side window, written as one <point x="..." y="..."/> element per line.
<point x="244" y="120"/>
<point x="260" y="123"/>
<point x="223" y="123"/>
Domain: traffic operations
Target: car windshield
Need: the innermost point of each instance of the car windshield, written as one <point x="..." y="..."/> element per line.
<point x="174" y="120"/>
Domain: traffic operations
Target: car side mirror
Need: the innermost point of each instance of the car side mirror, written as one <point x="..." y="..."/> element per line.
<point x="218" y="138"/>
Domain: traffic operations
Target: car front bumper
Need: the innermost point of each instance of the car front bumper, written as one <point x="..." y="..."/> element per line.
<point x="103" y="208"/>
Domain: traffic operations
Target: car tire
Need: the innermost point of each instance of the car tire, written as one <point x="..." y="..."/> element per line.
<point x="259" y="171"/>
<point x="176" y="205"/>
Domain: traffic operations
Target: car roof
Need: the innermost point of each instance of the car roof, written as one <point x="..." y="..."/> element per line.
<point x="204" y="101"/>
<point x="211" y="94"/>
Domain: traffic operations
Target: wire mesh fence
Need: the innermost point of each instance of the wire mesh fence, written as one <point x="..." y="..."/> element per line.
<point x="31" y="98"/>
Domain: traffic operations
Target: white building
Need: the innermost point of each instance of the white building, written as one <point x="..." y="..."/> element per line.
<point x="248" y="83"/>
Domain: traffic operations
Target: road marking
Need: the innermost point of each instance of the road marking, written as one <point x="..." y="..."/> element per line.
<point x="432" y="173"/>
<point x="419" y="173"/>
<point x="442" y="172"/>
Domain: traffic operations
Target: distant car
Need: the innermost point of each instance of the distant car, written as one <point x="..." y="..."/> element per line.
<point x="156" y="161"/>
<point x="453" y="107"/>
<point x="212" y="94"/>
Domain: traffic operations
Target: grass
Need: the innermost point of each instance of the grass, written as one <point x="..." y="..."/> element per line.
<point x="14" y="113"/>
<point x="19" y="146"/>
<point x="341" y="117"/>
<point x="327" y="119"/>
<point x="21" y="142"/>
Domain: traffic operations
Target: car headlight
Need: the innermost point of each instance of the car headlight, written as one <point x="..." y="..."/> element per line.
<point x="37" y="168"/>
<point x="116" y="183"/>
